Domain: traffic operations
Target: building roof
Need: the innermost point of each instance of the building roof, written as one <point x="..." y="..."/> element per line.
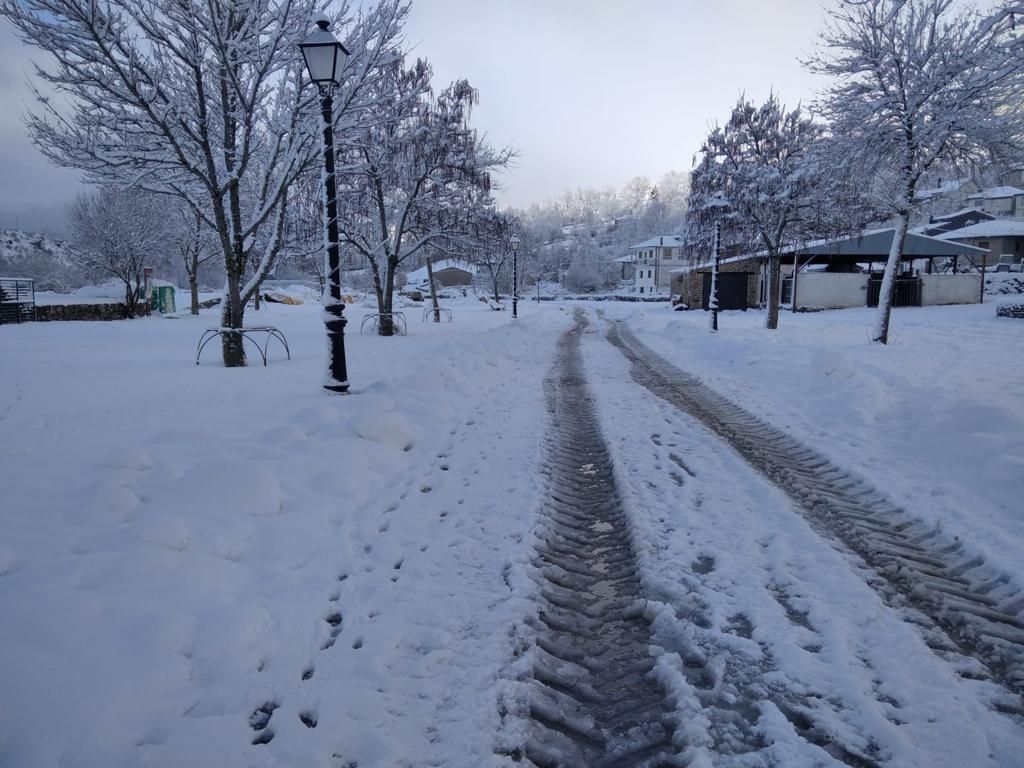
<point x="994" y="228"/>
<point x="995" y="192"/>
<point x="874" y="245"/>
<point x="673" y="241"/>
<point x="949" y="186"/>
<point x="419" y="275"/>
<point x="963" y="212"/>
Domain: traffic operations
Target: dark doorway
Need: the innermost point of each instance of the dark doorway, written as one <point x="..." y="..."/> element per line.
<point x="732" y="290"/>
<point x="908" y="291"/>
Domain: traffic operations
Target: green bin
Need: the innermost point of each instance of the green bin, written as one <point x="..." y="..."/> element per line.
<point x="163" y="299"/>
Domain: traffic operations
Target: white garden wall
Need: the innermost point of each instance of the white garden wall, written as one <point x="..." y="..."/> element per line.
<point x="950" y="289"/>
<point x="831" y="290"/>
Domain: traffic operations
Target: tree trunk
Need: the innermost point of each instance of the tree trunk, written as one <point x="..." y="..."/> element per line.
<point x="774" y="290"/>
<point x="433" y="291"/>
<point x="129" y="301"/>
<point x="232" y="315"/>
<point x="386" y="327"/>
<point x="193" y="287"/>
<point x="888" y="291"/>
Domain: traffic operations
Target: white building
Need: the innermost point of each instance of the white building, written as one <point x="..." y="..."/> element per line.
<point x="655" y="259"/>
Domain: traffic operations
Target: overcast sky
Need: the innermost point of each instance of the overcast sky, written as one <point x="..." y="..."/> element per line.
<point x="590" y="92"/>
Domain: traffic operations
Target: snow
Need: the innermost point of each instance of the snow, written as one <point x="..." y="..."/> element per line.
<point x="419" y="275"/>
<point x="996" y="192"/>
<point x="182" y="546"/>
<point x="996" y="228"/>
<point x="673" y="241"/>
<point x="174" y="540"/>
<point x="934" y="418"/>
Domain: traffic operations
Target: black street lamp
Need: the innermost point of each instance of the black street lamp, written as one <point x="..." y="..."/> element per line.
<point x="716" y="205"/>
<point x="325" y="60"/>
<point x="713" y="298"/>
<point x="514" y="241"/>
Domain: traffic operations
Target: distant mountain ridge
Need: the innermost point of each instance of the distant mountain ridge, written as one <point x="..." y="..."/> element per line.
<point x="54" y="264"/>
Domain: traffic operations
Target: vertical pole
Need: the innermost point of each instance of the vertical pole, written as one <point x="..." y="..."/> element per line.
<point x="515" y="283"/>
<point x="334" y="309"/>
<point x="981" y="292"/>
<point x="796" y="272"/>
<point x="713" y="297"/>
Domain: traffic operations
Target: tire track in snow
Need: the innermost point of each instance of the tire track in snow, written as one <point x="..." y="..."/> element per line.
<point x="594" y="700"/>
<point x="962" y="606"/>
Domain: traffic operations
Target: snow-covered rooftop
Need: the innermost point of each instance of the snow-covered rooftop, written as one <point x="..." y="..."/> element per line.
<point x="994" y="228"/>
<point x="420" y="274"/>
<point x="996" y="192"/>
<point x="673" y="241"/>
<point x="949" y="186"/>
<point x="963" y="212"/>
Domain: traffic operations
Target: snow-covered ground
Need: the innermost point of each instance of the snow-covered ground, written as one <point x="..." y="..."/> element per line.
<point x="178" y="544"/>
<point x="185" y="550"/>
<point x="935" y="419"/>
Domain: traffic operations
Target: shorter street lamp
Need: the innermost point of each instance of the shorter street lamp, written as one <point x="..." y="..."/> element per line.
<point x="515" y="275"/>
<point x="716" y="204"/>
<point x="325" y="59"/>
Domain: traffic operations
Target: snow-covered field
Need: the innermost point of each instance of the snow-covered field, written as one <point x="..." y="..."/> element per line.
<point x="193" y="558"/>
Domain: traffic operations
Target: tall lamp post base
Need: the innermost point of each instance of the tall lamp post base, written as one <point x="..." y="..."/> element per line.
<point x="337" y="370"/>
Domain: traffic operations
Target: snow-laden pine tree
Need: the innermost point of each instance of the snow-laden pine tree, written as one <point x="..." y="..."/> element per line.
<point x="918" y="85"/>
<point x="762" y="162"/>
<point x="205" y="101"/>
<point x="404" y="181"/>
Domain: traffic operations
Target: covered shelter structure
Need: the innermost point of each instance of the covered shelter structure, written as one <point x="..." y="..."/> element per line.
<point x="847" y="272"/>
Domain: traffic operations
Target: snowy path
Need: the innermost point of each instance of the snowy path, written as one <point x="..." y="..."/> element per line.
<point x="963" y="607"/>
<point x="595" y="702"/>
<point x="775" y="648"/>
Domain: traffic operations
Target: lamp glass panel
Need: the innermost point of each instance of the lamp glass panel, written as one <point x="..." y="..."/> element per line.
<point x="320" y="61"/>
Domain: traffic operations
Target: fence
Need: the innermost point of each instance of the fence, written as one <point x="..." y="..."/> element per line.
<point x="17" y="300"/>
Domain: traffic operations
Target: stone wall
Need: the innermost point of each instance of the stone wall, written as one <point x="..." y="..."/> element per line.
<point x="688" y="287"/>
<point x="1010" y="310"/>
<point x="47" y="312"/>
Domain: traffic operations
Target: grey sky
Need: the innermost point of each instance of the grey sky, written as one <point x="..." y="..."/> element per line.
<point x="591" y="92"/>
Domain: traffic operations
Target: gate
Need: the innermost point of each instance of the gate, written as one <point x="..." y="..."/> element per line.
<point x="17" y="300"/>
<point x="908" y="291"/>
<point x="732" y="290"/>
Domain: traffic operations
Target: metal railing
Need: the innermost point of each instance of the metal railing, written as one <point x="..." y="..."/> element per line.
<point x="17" y="300"/>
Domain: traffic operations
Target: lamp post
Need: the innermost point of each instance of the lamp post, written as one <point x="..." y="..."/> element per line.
<point x="713" y="298"/>
<point x="716" y="204"/>
<point x="325" y="59"/>
<point x="515" y="275"/>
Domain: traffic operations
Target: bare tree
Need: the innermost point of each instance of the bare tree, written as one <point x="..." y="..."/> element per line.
<point x="117" y="232"/>
<point x="919" y="84"/>
<point x="202" y="100"/>
<point x="196" y="246"/>
<point x="404" y="181"/>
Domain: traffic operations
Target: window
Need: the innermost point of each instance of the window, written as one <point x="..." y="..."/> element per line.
<point x="641" y="289"/>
